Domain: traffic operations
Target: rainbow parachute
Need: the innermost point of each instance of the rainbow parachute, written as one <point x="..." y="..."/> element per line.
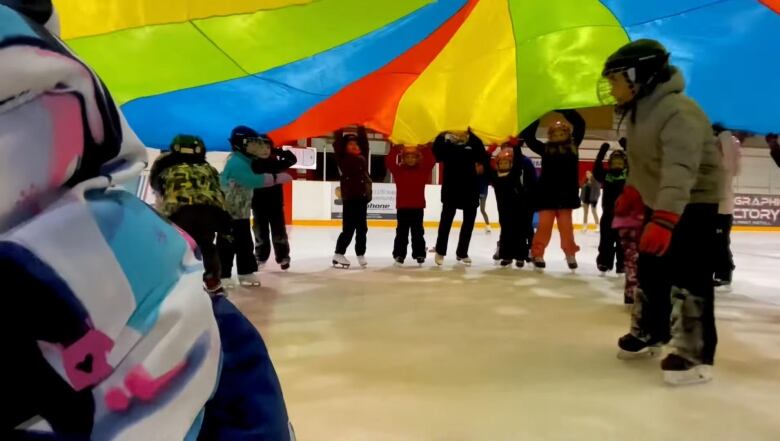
<point x="408" y="68"/>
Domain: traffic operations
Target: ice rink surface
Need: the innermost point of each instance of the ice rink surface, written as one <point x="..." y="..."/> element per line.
<point x="490" y="354"/>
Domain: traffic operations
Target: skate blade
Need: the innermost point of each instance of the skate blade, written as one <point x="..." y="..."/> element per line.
<point x="250" y="284"/>
<point x="338" y="265"/>
<point x="644" y="354"/>
<point x="697" y="375"/>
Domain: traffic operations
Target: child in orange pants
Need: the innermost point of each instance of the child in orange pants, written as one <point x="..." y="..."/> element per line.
<point x="557" y="191"/>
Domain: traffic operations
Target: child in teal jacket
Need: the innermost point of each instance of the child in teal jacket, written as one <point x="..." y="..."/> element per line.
<point x="238" y="182"/>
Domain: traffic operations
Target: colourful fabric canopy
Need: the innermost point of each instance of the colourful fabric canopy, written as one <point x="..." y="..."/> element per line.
<point x="408" y="68"/>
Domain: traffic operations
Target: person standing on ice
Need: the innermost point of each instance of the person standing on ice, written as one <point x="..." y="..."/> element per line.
<point x="111" y="331"/>
<point x="190" y="196"/>
<point x="613" y="178"/>
<point x="465" y="160"/>
<point x="511" y="180"/>
<point x="730" y="148"/>
<point x="352" y="155"/>
<point x="557" y="193"/>
<point x="590" y="193"/>
<point x="411" y="168"/>
<point x="677" y="173"/>
<point x="238" y="182"/>
<point x="268" y="205"/>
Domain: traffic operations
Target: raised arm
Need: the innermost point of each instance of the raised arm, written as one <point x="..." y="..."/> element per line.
<point x="598" y="167"/>
<point x="578" y="125"/>
<point x="428" y="158"/>
<point x="391" y="160"/>
<point x="362" y="140"/>
<point x="529" y="135"/>
<point x="481" y="154"/>
<point x="440" y="148"/>
<point x="284" y="160"/>
<point x="339" y="146"/>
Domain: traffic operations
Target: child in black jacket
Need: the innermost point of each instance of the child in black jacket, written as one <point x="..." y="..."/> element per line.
<point x="465" y="161"/>
<point x="513" y="179"/>
<point x="613" y="179"/>
<point x="557" y="194"/>
<point x="268" y="207"/>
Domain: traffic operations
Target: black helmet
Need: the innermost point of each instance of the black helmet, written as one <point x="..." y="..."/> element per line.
<point x="243" y="135"/>
<point x="40" y="11"/>
<point x="188" y="145"/>
<point x="641" y="60"/>
<point x="644" y="64"/>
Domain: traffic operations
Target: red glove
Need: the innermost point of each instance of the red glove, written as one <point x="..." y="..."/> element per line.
<point x="658" y="233"/>
<point x="629" y="203"/>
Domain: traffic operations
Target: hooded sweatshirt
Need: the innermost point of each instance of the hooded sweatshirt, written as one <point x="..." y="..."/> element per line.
<point x="673" y="156"/>
<point x="111" y="332"/>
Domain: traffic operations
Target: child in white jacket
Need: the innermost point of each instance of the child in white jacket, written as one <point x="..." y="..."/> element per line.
<point x="730" y="148"/>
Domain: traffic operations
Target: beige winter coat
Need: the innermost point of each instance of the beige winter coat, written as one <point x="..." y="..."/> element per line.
<point x="673" y="155"/>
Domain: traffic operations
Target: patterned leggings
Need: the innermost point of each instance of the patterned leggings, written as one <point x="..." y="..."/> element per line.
<point x="629" y="239"/>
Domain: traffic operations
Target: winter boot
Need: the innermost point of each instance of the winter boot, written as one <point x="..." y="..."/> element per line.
<point x="684" y="365"/>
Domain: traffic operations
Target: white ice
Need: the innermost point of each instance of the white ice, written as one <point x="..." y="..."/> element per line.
<point x="483" y="353"/>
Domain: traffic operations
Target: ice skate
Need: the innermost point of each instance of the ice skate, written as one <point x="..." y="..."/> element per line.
<point x="572" y="262"/>
<point x="520" y="263"/>
<point x="439" y="259"/>
<point x="285" y="264"/>
<point x="465" y="260"/>
<point x="679" y="371"/>
<point x="496" y="257"/>
<point x="362" y="261"/>
<point x="213" y="286"/>
<point x="260" y="264"/>
<point x="228" y="283"/>
<point x="721" y="283"/>
<point x="539" y="264"/>
<point x="248" y="280"/>
<point x="420" y="261"/>
<point x="506" y="263"/>
<point x="398" y="262"/>
<point x="632" y="348"/>
<point x="340" y="261"/>
<point x="603" y="269"/>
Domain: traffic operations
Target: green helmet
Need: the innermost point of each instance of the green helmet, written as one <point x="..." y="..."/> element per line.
<point x="188" y="145"/>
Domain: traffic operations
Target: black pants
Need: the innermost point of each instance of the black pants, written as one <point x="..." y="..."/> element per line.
<point x="688" y="267"/>
<point x="409" y="220"/>
<point x="445" y="225"/>
<point x="610" y="248"/>
<point x="513" y="243"/>
<point x="270" y="229"/>
<point x="354" y="224"/>
<point x="724" y="260"/>
<point x="203" y="223"/>
<point x="238" y="243"/>
<point x="528" y="235"/>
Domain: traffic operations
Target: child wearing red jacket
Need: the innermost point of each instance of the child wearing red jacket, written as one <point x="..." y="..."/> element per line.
<point x="411" y="168"/>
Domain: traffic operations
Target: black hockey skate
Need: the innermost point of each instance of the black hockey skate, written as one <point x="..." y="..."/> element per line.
<point x="519" y="263"/>
<point x="505" y="263"/>
<point x="632" y="348"/>
<point x="285" y="264"/>
<point x="679" y="371"/>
